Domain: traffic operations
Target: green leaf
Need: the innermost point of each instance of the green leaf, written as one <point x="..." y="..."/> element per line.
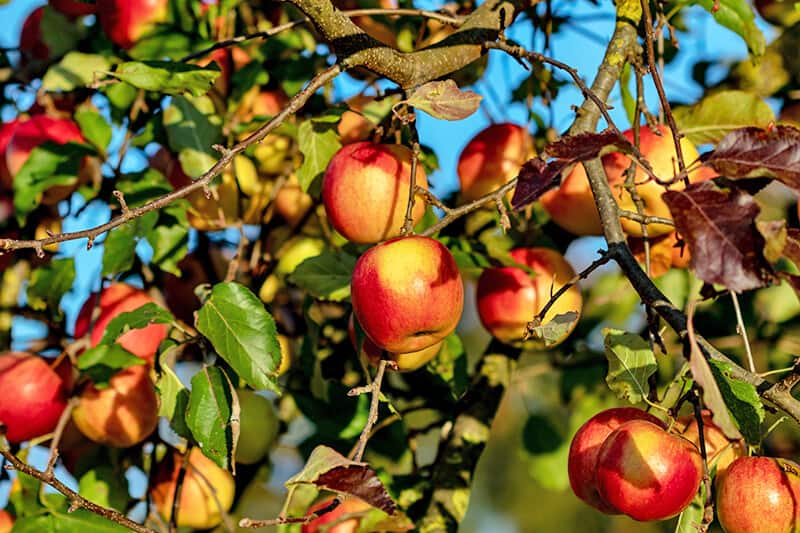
<point x="691" y="518"/>
<point x="450" y="364"/>
<point x="742" y="400"/>
<point x="75" y="70"/>
<point x="242" y="333"/>
<point x="192" y="123"/>
<point x="48" y="165"/>
<point x="105" y="487"/>
<point x="167" y="77"/>
<point x="103" y="361"/>
<point x="142" y="187"/>
<point x="630" y="363"/>
<point x="555" y="329"/>
<point x="443" y="99"/>
<point x="542" y="434"/>
<point x="712" y="395"/>
<point x="737" y="16"/>
<point x="58" y="33"/>
<point x="326" y="276"/>
<point x="119" y="248"/>
<point x="318" y="141"/>
<point x="628" y="98"/>
<point x="141" y="317"/>
<point x="713" y="117"/>
<point x="49" y="283"/>
<point x="173" y="396"/>
<point x="170" y="237"/>
<point x="94" y="128"/>
<point x="213" y="415"/>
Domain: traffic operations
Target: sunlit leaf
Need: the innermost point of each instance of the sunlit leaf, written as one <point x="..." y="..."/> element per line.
<point x="631" y="362"/>
<point x="443" y="99"/>
<point x="213" y="415"/>
<point x="167" y="77"/>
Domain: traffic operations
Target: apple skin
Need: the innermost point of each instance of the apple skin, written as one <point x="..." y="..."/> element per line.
<point x="6" y="521"/>
<point x="508" y="297"/>
<point x="198" y="508"/>
<point x="34" y="396"/>
<point x="491" y="158"/>
<point x="585" y="447"/>
<point x="73" y="8"/>
<point x="571" y="206"/>
<point x="406" y="362"/>
<point x="292" y="203"/>
<point x="115" y="299"/>
<point x="126" y="21"/>
<point x="407" y="293"/>
<point x="759" y="495"/>
<point x="647" y="473"/>
<point x="365" y="191"/>
<point x="345" y="507"/>
<point x="31" y="44"/>
<point x="121" y="415"/>
<point x="6" y="132"/>
<point x="258" y="427"/>
<point x="720" y="450"/>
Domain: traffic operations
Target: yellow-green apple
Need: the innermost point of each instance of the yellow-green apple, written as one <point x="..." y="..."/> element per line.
<point x="206" y="494"/>
<point x="365" y="191"/>
<point x="585" y="447"/>
<point x="127" y="21"/>
<point x="336" y="521"/>
<point x="45" y="228"/>
<point x="720" y="450"/>
<point x="6" y="521"/>
<point x="508" y="297"/>
<point x="407" y="293"/>
<point x="33" y="395"/>
<point x="115" y="299"/>
<point x="258" y="427"/>
<point x="291" y="202"/>
<point x="406" y="362"/>
<point x="759" y="495"/>
<point x="122" y="414"/>
<point x="272" y="152"/>
<point x="493" y="157"/>
<point x="647" y="473"/>
<point x="73" y="8"/>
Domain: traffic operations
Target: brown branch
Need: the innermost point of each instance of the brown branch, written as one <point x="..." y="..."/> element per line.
<point x="451" y="215"/>
<point x="255" y="524"/>
<point x="375" y="389"/>
<point x="408" y="224"/>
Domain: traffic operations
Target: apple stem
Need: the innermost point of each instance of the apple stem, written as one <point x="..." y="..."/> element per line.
<point x="408" y="224"/>
<point x="176" y="495"/>
<point x="743" y="332"/>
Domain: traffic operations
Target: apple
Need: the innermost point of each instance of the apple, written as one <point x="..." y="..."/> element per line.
<point x="647" y="473"/>
<point x="406" y="362"/>
<point x="664" y="253"/>
<point x="778" y="12"/>
<point x="6" y="132"/>
<point x="508" y="297"/>
<point x="122" y="414"/>
<point x="258" y="428"/>
<point x="291" y="202"/>
<point x="365" y="191"/>
<point x="720" y="450"/>
<point x="759" y="495"/>
<point x="353" y="125"/>
<point x="34" y="396"/>
<point x="571" y="206"/>
<point x="206" y="493"/>
<point x="585" y="447"/>
<point x="115" y="299"/>
<point x="261" y="103"/>
<point x="31" y="43"/>
<point x="493" y="157"/>
<point x="126" y="21"/>
<point x="73" y="8"/>
<point x="46" y="227"/>
<point x="6" y="521"/>
<point x="336" y="521"/>
<point x="407" y="293"/>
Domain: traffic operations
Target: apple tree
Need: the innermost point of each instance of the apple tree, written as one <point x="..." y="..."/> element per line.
<point x="233" y="294"/>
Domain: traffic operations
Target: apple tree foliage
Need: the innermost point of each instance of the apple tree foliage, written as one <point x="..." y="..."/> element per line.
<point x="256" y="294"/>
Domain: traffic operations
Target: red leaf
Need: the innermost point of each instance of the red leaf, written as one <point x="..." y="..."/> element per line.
<point x="536" y="177"/>
<point x="585" y="146"/>
<point x="759" y="153"/>
<point x="719" y="227"/>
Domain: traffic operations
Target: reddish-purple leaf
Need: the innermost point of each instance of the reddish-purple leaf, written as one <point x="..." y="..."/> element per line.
<point x="585" y="146"/>
<point x="759" y="153"/>
<point x="536" y="177"/>
<point x="328" y="469"/>
<point x="719" y="226"/>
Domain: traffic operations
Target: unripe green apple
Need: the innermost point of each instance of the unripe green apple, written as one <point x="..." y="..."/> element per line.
<point x="258" y="427"/>
<point x="407" y="293"/>
<point x="365" y="191"/>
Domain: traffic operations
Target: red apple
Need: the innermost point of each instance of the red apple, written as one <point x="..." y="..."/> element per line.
<point x="365" y="191"/>
<point x="491" y="158"/>
<point x="33" y="396"/>
<point x="6" y="132"/>
<point x="207" y="491"/>
<point x="115" y="299"/>
<point x="31" y="44"/>
<point x="122" y="414"/>
<point x="647" y="473"/>
<point x="334" y="521"/>
<point x="509" y="297"/>
<point x="759" y="495"/>
<point x="406" y="362"/>
<point x="126" y="21"/>
<point x="6" y="521"/>
<point x="73" y="8"/>
<point x="407" y="293"/>
<point x="585" y="447"/>
<point x="571" y="205"/>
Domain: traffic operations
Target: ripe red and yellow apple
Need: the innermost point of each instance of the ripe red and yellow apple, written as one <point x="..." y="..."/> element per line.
<point x="291" y="202"/>
<point x="207" y="491"/>
<point x="335" y="521"/>
<point x="365" y="191"/>
<point x="258" y="427"/>
<point x="407" y="293"/>
<point x="6" y="521"/>
<point x="585" y="448"/>
<point x="647" y="473"/>
<point x="720" y="450"/>
<point x="122" y="414"/>
<point x="127" y="21"/>
<point x="115" y="299"/>
<point x="33" y="395"/>
<point x="353" y="125"/>
<point x="509" y="297"/>
<point x="406" y="362"/>
<point x="492" y="158"/>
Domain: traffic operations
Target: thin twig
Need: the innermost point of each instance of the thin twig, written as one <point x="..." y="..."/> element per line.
<point x="255" y="524"/>
<point x="743" y="332"/>
<point x="375" y="389"/>
<point x="453" y="214"/>
<point x="408" y="224"/>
